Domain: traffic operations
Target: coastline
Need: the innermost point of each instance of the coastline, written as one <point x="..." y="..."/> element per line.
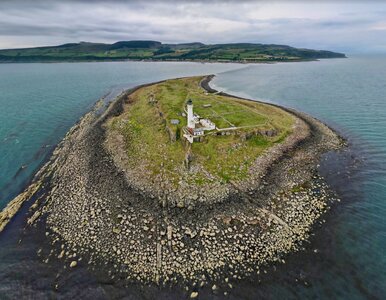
<point x="173" y="60"/>
<point x="89" y="124"/>
<point x="205" y="85"/>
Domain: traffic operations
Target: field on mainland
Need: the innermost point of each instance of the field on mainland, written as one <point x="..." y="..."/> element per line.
<point x="145" y="125"/>
<point x="154" y="50"/>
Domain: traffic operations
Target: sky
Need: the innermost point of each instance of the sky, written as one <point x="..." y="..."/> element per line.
<point x="346" y="26"/>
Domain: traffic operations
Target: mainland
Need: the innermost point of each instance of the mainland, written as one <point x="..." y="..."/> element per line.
<point x="157" y="51"/>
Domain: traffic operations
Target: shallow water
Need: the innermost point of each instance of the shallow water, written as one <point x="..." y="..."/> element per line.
<point x="39" y="102"/>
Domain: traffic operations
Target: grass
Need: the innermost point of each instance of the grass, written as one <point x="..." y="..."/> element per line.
<point x="225" y="157"/>
<point x="154" y="50"/>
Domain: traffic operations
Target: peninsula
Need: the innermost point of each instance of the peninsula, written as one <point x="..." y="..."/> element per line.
<point x="157" y="51"/>
<point x="136" y="189"/>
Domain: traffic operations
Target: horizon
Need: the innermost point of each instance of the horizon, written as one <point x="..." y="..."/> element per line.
<point x="350" y="27"/>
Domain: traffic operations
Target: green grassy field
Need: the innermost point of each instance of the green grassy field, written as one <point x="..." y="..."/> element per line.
<point x="224" y="157"/>
<point x="153" y="50"/>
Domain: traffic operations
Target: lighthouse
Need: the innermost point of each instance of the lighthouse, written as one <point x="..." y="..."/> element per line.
<point x="189" y="106"/>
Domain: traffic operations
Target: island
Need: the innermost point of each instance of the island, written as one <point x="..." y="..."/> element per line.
<point x="183" y="151"/>
<point x="157" y="51"/>
<point x="177" y="183"/>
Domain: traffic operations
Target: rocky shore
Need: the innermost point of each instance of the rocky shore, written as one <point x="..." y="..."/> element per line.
<point x="92" y="214"/>
<point x="211" y="190"/>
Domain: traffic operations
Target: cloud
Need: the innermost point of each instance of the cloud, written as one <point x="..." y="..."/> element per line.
<point x="343" y="26"/>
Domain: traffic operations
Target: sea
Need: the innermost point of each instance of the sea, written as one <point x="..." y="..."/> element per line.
<point x="344" y="259"/>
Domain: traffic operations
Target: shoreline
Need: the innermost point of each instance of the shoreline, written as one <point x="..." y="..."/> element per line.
<point x="205" y="85"/>
<point x="165" y="60"/>
<point x="42" y="174"/>
<point x="87" y="125"/>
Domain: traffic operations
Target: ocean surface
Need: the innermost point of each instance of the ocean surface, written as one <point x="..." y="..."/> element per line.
<point x="346" y="257"/>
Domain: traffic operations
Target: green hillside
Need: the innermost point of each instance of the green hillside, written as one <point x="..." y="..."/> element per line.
<point x="153" y="50"/>
<point x="153" y="143"/>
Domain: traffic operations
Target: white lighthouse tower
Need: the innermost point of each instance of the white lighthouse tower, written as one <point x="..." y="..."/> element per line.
<point x="189" y="106"/>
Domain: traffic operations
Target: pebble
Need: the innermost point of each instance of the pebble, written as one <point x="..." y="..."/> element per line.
<point x="73" y="264"/>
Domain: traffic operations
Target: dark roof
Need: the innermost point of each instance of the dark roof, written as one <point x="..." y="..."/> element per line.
<point x="190" y="102"/>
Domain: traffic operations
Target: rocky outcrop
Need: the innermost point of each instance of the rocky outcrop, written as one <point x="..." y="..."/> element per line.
<point x="13" y="207"/>
<point x="172" y="134"/>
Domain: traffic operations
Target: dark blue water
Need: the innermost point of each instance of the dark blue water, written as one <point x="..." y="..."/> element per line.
<point x="39" y="102"/>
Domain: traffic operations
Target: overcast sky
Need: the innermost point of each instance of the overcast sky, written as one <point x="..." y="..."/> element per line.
<point x="348" y="26"/>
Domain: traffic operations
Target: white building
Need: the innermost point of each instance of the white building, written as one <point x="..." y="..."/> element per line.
<point x="196" y="118"/>
<point x="191" y="132"/>
<point x="207" y="124"/>
<point x="197" y="131"/>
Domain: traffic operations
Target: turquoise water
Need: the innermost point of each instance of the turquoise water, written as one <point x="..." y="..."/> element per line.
<point x="346" y="257"/>
<point x="40" y="102"/>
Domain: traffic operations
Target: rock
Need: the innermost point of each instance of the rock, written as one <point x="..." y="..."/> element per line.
<point x="188" y="159"/>
<point x="61" y="254"/>
<point x="193" y="295"/>
<point x="73" y="264"/>
<point x="117" y="230"/>
<point x="169" y="232"/>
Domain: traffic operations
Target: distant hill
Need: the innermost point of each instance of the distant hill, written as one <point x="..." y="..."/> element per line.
<point x="154" y="50"/>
